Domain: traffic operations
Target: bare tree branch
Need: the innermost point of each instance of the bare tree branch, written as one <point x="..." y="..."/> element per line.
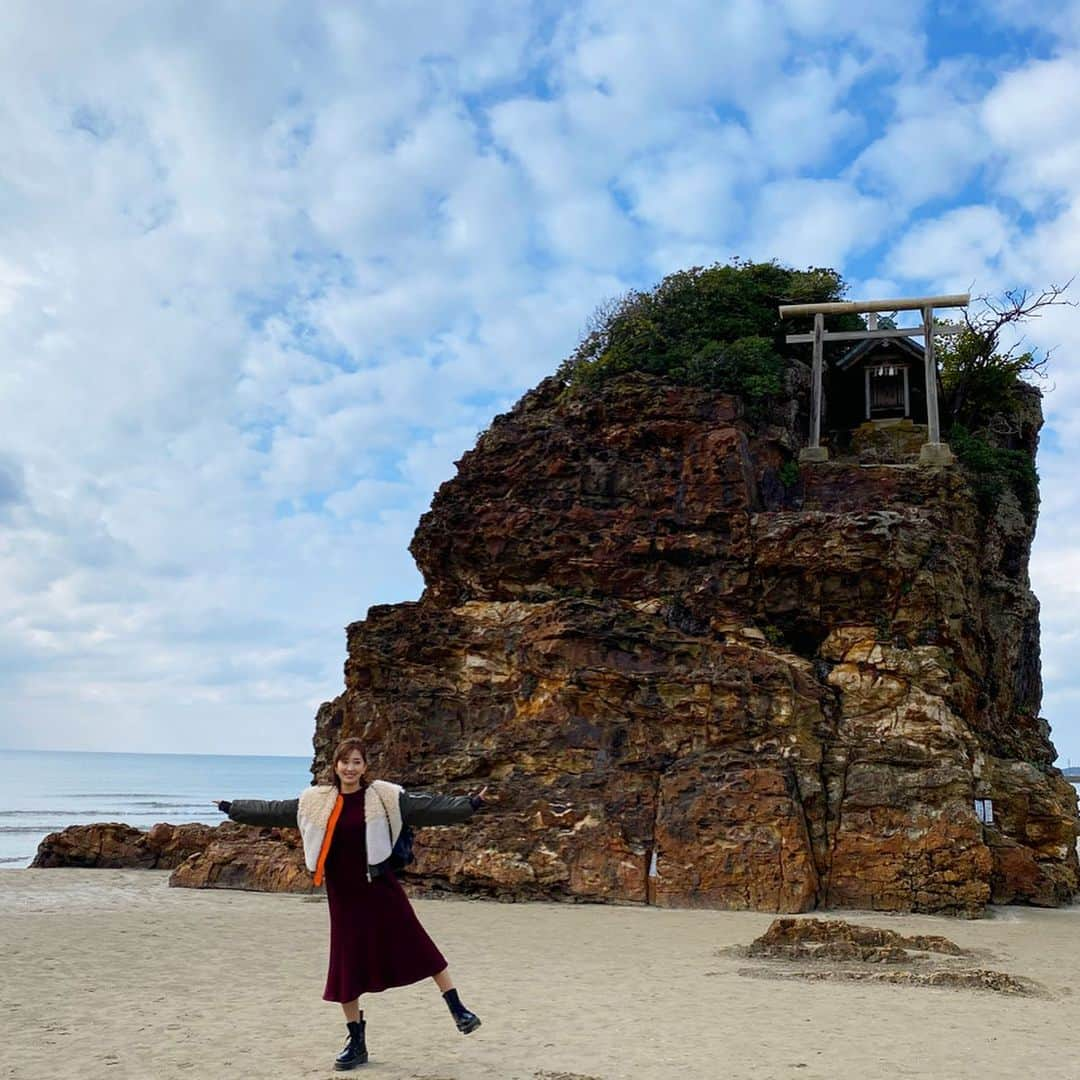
<point x="978" y="354"/>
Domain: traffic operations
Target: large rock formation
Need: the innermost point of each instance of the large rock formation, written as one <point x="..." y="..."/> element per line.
<point x="693" y="684"/>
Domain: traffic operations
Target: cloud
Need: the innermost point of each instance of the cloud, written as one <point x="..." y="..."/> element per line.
<point x="668" y="189"/>
<point x="1033" y="116"/>
<point x="1058" y="17"/>
<point x="933" y="147"/>
<point x="12" y="483"/>
<point x="956" y="248"/>
<point x="263" y="280"/>
<point x="809" y="222"/>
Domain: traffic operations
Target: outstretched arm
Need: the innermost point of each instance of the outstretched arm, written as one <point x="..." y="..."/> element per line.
<point x="279" y="812"/>
<point x="423" y="808"/>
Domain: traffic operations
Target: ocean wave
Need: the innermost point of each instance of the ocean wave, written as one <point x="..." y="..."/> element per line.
<point x="124" y="795"/>
<point x="166" y="805"/>
<point x="15" y="858"/>
<point x="34" y="830"/>
<point x="136" y="810"/>
<point x="144" y="822"/>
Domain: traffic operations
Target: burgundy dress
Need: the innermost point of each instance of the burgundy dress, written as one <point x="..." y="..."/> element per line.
<point x="376" y="940"/>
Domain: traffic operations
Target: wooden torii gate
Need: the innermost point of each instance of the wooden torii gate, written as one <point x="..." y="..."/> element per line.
<point x="934" y="451"/>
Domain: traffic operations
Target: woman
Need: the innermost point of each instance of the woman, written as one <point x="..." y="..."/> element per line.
<point x="349" y="829"/>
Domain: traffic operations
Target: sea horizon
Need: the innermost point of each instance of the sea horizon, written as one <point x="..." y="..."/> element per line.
<point x="44" y="791"/>
<point x="137" y="753"/>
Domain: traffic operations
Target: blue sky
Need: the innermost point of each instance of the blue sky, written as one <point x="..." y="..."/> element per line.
<point x="264" y="276"/>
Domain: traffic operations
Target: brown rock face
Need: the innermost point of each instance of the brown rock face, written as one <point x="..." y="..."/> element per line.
<point x="834" y="950"/>
<point x="834" y="939"/>
<point x="226" y="856"/>
<point x="694" y="685"/>
<point x="118" y="846"/>
<point x="243" y="857"/>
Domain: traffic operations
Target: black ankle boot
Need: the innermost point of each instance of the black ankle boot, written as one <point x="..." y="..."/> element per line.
<point x="355" y="1051"/>
<point x="466" y="1021"/>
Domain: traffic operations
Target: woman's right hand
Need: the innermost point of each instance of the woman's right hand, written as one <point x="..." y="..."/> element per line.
<point x="483" y="798"/>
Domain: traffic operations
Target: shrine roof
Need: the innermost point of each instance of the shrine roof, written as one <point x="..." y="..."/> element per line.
<point x="864" y="348"/>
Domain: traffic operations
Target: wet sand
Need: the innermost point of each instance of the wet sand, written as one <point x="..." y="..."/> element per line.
<point x="111" y="974"/>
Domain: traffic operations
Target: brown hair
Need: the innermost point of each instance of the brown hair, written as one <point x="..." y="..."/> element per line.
<point x="343" y="750"/>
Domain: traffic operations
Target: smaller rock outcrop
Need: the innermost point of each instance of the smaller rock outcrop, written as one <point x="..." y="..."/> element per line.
<point x="827" y="950"/>
<point x="113" y="845"/>
<point x="835" y="939"/>
<point x="226" y="856"/>
<point x="256" y="860"/>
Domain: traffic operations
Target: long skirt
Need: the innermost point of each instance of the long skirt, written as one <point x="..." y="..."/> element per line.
<point x="376" y="940"/>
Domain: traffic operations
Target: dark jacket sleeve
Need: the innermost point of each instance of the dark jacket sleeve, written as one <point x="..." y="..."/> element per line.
<point x="281" y="812"/>
<point x="421" y="808"/>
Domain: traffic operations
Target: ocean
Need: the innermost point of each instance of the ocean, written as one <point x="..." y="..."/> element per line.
<point x="42" y="791"/>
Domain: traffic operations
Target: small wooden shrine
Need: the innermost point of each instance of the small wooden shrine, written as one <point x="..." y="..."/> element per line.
<point x="878" y="380"/>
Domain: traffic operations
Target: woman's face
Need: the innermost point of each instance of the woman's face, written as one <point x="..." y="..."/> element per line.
<point x="351" y="767"/>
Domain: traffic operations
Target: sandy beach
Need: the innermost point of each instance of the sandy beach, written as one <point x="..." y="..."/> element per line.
<point x="111" y="974"/>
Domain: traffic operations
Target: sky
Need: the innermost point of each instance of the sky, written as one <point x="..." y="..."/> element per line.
<point x="267" y="270"/>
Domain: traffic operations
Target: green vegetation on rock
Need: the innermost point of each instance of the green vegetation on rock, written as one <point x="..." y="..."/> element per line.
<point x="715" y="326"/>
<point x="979" y="379"/>
<point x="994" y="469"/>
<point x="789" y="473"/>
<point x="983" y="381"/>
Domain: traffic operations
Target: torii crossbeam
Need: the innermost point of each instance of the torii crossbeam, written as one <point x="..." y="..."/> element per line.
<point x="934" y="451"/>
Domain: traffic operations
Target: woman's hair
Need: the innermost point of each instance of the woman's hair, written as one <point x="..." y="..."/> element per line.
<point x="343" y="750"/>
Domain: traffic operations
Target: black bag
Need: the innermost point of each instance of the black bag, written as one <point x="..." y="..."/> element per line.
<point x="402" y="853"/>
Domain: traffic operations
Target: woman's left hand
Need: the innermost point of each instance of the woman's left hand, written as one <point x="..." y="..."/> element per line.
<point x="483" y="794"/>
